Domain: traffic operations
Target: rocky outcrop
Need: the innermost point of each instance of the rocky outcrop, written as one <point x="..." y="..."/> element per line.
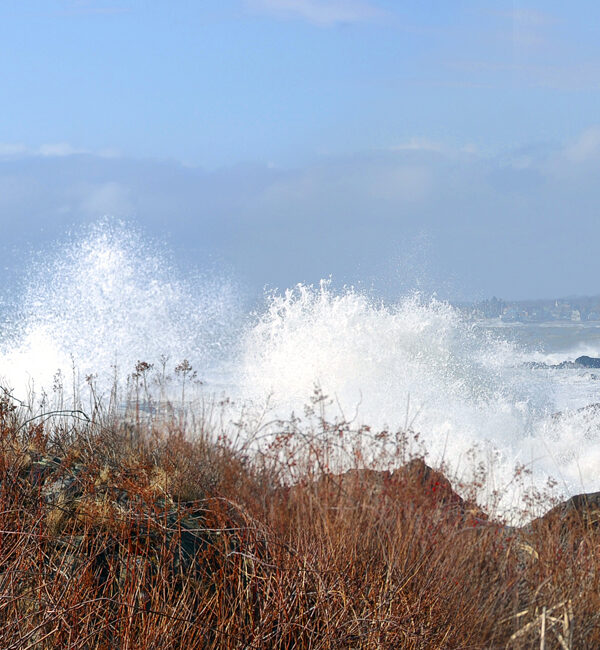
<point x="407" y="491"/>
<point x="138" y="520"/>
<point x="580" y="362"/>
<point x="416" y="489"/>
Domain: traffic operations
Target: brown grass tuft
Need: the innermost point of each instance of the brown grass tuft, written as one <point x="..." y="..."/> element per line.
<point x="115" y="535"/>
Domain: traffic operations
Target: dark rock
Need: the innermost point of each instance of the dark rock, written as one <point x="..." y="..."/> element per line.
<point x="580" y="362"/>
<point x="580" y="512"/>
<point x="115" y="523"/>
<point x="587" y="362"/>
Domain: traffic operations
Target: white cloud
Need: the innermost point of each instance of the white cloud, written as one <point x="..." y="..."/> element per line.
<point x="109" y="152"/>
<point x="394" y="181"/>
<point x="419" y="144"/>
<point x="534" y="206"/>
<point x="319" y="12"/>
<point x="53" y="150"/>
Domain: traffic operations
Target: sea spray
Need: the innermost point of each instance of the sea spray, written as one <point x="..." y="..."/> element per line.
<point x="416" y="364"/>
<point x="106" y="299"/>
<point x="371" y="356"/>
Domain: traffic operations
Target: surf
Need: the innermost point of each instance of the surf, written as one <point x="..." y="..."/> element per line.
<point x="94" y="307"/>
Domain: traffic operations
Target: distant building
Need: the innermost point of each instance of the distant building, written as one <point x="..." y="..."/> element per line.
<point x="511" y="315"/>
<point x="572" y="310"/>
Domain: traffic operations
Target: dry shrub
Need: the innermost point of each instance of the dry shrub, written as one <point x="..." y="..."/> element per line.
<point x="116" y="535"/>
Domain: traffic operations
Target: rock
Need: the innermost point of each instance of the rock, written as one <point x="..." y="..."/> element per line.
<point x="573" y="516"/>
<point x="580" y="362"/>
<point x="587" y="362"/>
<point x="117" y="524"/>
<point x="412" y="487"/>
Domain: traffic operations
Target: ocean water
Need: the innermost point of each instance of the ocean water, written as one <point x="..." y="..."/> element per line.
<point x="108" y="298"/>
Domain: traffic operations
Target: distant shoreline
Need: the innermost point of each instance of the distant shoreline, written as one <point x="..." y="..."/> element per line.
<point x="555" y="310"/>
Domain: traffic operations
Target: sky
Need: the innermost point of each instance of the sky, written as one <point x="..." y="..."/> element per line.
<point x="452" y="147"/>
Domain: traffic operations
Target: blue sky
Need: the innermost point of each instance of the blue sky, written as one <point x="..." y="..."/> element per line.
<point x="283" y="81"/>
<point x="453" y="141"/>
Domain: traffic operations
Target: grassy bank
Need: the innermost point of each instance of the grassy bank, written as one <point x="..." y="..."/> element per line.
<point x="123" y="530"/>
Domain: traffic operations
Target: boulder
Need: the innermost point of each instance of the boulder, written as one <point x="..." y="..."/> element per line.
<point x="412" y="487"/>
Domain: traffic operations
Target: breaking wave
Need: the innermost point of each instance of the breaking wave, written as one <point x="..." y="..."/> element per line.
<point x="104" y="301"/>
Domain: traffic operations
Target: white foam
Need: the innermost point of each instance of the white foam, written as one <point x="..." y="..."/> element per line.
<point x="109" y="297"/>
<point x="464" y="387"/>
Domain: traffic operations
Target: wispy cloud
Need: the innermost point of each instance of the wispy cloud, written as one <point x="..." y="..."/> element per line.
<point x="324" y="13"/>
<point x="528" y="16"/>
<point x="369" y="208"/>
<point x="53" y="150"/>
<point x="59" y="149"/>
<point x="585" y="147"/>
<point x="419" y="144"/>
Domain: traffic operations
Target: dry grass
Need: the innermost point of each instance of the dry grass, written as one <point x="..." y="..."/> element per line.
<point x="121" y="535"/>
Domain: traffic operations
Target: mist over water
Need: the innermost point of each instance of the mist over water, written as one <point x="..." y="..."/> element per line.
<point x="108" y="298"/>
